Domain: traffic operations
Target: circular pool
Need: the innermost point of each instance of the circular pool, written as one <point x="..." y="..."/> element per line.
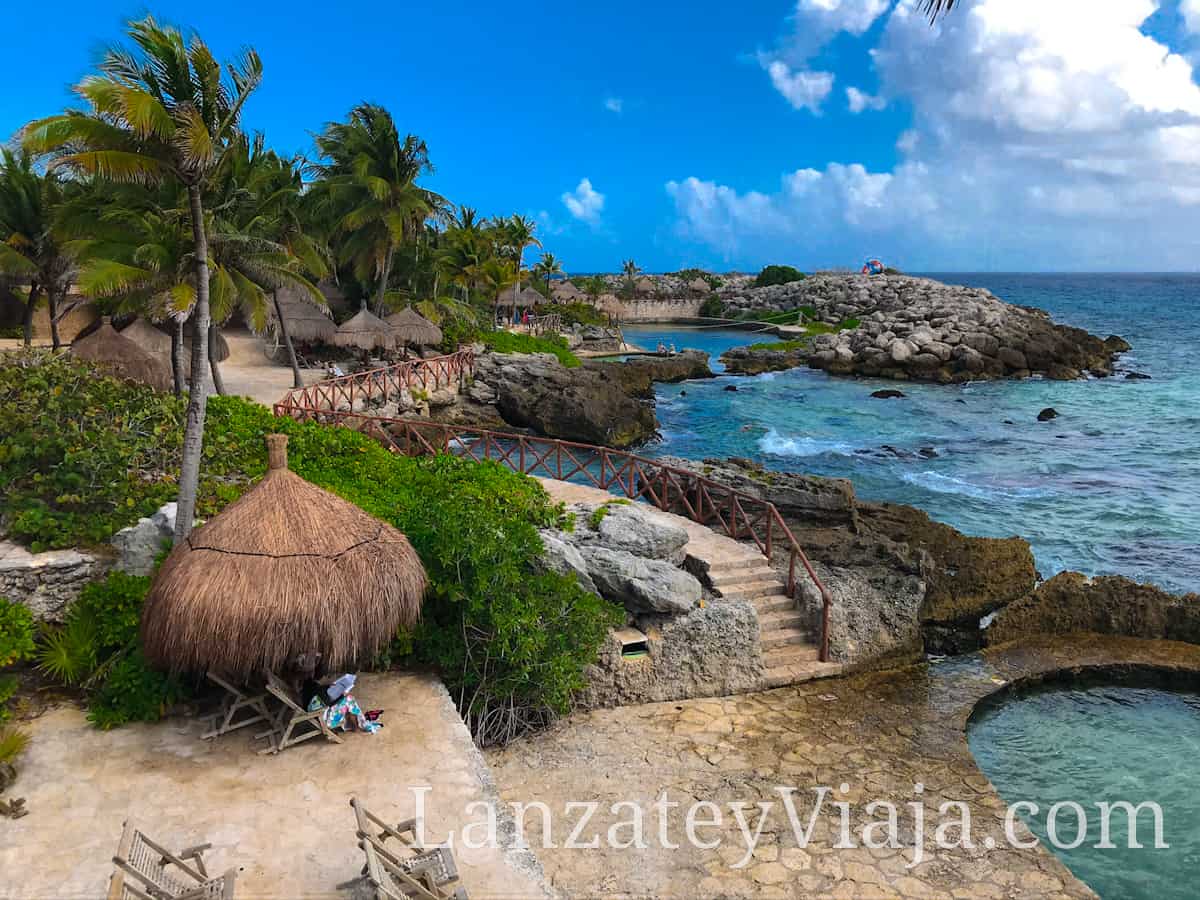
<point x="1070" y="748"/>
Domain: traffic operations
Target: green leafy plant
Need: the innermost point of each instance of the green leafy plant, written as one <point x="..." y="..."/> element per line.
<point x="712" y="308"/>
<point x="509" y="342"/>
<point x="8" y="688"/>
<point x="133" y="692"/>
<point x="778" y="275"/>
<point x="13" y="742"/>
<point x="68" y="654"/>
<point x="16" y="633"/>
<point x="599" y="513"/>
<point x="576" y="313"/>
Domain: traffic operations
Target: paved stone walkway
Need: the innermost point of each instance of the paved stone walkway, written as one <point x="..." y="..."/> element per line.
<point x="880" y="734"/>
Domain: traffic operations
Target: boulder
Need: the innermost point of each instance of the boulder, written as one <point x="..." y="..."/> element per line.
<point x="639" y="374"/>
<point x="641" y="585"/>
<point x="887" y="395"/>
<point x="631" y="527"/>
<point x="139" y="545"/>
<point x="1047" y="414"/>
<point x="745" y="361"/>
<point x="563" y="557"/>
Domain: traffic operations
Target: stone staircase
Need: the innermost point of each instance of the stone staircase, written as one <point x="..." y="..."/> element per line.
<point x="790" y="650"/>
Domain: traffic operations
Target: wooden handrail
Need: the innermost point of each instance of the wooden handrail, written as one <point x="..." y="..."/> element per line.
<point x="380" y="385"/>
<point x="702" y="499"/>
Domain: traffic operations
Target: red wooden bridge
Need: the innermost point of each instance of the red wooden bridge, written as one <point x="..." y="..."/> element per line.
<point x="739" y="515"/>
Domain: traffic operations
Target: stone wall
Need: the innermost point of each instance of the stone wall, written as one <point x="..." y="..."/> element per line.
<point x="661" y="310"/>
<point x="48" y="583"/>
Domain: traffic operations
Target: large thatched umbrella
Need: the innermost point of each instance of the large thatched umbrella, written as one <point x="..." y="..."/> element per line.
<point x="152" y="340"/>
<point x="566" y="292"/>
<point x="303" y="320"/>
<point x="366" y="331"/>
<point x="287" y="570"/>
<point x="413" y="329"/>
<point x="109" y="349"/>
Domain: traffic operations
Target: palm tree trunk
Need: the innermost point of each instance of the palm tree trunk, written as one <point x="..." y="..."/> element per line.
<point x="218" y="381"/>
<point x="52" y="299"/>
<point x="383" y="281"/>
<point x="193" y="435"/>
<point x="34" y="290"/>
<point x="297" y="381"/>
<point x="177" y="357"/>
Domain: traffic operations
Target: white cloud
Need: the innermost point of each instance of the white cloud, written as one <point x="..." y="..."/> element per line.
<point x="1044" y="135"/>
<point x="802" y="89"/>
<point x="585" y="202"/>
<point x="1190" y="9"/>
<point x="858" y="101"/>
<point x="614" y="105"/>
<point x="854" y="16"/>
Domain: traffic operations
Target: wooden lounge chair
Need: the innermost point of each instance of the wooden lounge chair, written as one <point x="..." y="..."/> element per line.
<point x="140" y="872"/>
<point x="294" y="724"/>
<point x="403" y="869"/>
<point x="239" y="708"/>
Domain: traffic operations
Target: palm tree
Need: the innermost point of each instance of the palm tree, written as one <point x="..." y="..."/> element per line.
<point x="495" y="275"/>
<point x="546" y="268"/>
<point x="368" y="184"/>
<point x="937" y="8"/>
<point x="631" y="271"/>
<point x="30" y="202"/>
<point x="518" y="232"/>
<point x="161" y="111"/>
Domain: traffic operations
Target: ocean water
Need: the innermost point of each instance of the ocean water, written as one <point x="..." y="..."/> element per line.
<point x="1112" y="486"/>
<point x="1102" y="744"/>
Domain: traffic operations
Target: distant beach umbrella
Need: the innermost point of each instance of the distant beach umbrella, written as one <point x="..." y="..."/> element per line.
<point x="109" y="349"/>
<point x="304" y="320"/>
<point x="526" y="298"/>
<point x="413" y="329"/>
<point x="287" y="569"/>
<point x="219" y="350"/>
<point x="366" y="331"/>
<point x="151" y="339"/>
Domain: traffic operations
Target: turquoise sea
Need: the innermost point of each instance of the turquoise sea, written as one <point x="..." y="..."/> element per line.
<point x="1112" y="486"/>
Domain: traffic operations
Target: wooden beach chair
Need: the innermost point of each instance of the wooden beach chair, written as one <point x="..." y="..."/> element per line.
<point x="239" y="708"/>
<point x="141" y="872"/>
<point x="293" y="724"/>
<point x="403" y="869"/>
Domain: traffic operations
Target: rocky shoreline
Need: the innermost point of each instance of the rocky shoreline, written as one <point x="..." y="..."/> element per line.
<point x="918" y="329"/>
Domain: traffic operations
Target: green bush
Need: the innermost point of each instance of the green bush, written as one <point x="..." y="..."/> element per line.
<point x="576" y="313"/>
<point x="714" y="281"/>
<point x="712" y="308"/>
<point x="16" y="633"/>
<point x="510" y="641"/>
<point x="777" y="275"/>
<point x="510" y="342"/>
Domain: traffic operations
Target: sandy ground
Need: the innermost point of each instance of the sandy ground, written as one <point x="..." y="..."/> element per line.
<point x="285" y="820"/>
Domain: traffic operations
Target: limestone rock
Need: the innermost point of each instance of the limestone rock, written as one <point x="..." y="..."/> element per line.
<point x="631" y="527"/>
<point x="641" y="585"/>
<point x="563" y="557"/>
<point x="48" y="583"/>
<point x="139" y="545"/>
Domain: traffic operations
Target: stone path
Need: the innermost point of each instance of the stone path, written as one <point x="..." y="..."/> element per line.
<point x="879" y="734"/>
<point x="739" y="571"/>
<point x="284" y="820"/>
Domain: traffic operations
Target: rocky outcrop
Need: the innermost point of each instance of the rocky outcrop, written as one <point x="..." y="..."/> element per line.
<point x="535" y="391"/>
<point x="561" y="556"/>
<point x="711" y="651"/>
<point x="639" y="374"/>
<point x="138" y="546"/>
<point x="756" y="360"/>
<point x="623" y="525"/>
<point x="641" y="585"/>
<point x="922" y="330"/>
<point x="47" y="583"/>
<point x="1071" y="602"/>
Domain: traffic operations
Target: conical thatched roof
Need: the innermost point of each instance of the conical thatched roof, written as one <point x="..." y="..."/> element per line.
<point x="108" y="348"/>
<point x="366" y="331"/>
<point x="611" y="304"/>
<point x="566" y="290"/>
<point x="304" y="320"/>
<point x="152" y="340"/>
<point x="528" y="297"/>
<point x="288" y="569"/>
<point x="219" y="350"/>
<point x="413" y="328"/>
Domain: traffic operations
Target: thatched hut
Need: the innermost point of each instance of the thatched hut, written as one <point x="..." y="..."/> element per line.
<point x="219" y="351"/>
<point x="566" y="292"/>
<point x="109" y="349"/>
<point x="286" y="570"/>
<point x="366" y="331"/>
<point x="526" y="298"/>
<point x="151" y="339"/>
<point x="305" y="321"/>
<point x="611" y="305"/>
<point x="413" y="329"/>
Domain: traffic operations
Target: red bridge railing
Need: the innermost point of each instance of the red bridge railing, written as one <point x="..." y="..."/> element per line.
<point x="741" y="516"/>
<point x="378" y="386"/>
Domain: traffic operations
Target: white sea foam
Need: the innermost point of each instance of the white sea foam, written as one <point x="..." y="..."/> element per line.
<point x="948" y="484"/>
<point x="778" y="445"/>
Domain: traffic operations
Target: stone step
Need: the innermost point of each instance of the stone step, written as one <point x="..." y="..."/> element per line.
<point x="731" y="563"/>
<point x="774" y="621"/>
<point x="785" y="637"/>
<point x="723" y="578"/>
<point x="772" y="604"/>
<point x="784" y="675"/>
<point x="790" y="655"/>
<point x="752" y="589"/>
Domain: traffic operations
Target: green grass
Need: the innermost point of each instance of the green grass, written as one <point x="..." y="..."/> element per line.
<point x="509" y="342"/>
<point x="779" y="346"/>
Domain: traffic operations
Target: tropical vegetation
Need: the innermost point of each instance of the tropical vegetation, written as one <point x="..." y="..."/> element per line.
<point x="771" y="275"/>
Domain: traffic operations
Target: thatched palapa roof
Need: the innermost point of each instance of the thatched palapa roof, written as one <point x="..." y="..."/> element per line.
<point x="287" y="569"/>
<point x="304" y="320"/>
<point x="152" y="340"/>
<point x="528" y="297"/>
<point x="366" y="331"/>
<point x="218" y="351"/>
<point x="109" y="349"/>
<point x="566" y="290"/>
<point x="413" y="328"/>
<point x="610" y="304"/>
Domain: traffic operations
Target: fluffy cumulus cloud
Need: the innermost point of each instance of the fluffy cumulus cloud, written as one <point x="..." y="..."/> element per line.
<point x="585" y="203"/>
<point x="614" y="105"/>
<point x="1046" y="135"/>
<point x="802" y="89"/>
<point x="1190" y="9"/>
<point x="858" y="101"/>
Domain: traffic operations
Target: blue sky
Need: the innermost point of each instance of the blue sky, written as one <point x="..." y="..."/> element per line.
<point x="724" y="135"/>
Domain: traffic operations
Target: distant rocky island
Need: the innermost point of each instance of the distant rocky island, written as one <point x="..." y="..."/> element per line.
<point x="917" y="329"/>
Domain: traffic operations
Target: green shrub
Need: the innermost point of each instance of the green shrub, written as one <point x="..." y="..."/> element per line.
<point x="16" y="633"/>
<point x="599" y="513"/>
<point x="12" y="744"/>
<point x="510" y="342"/>
<point x="689" y="275"/>
<point x="777" y="275"/>
<point x="576" y="313"/>
<point x="712" y="308"/>
<point x="133" y="692"/>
